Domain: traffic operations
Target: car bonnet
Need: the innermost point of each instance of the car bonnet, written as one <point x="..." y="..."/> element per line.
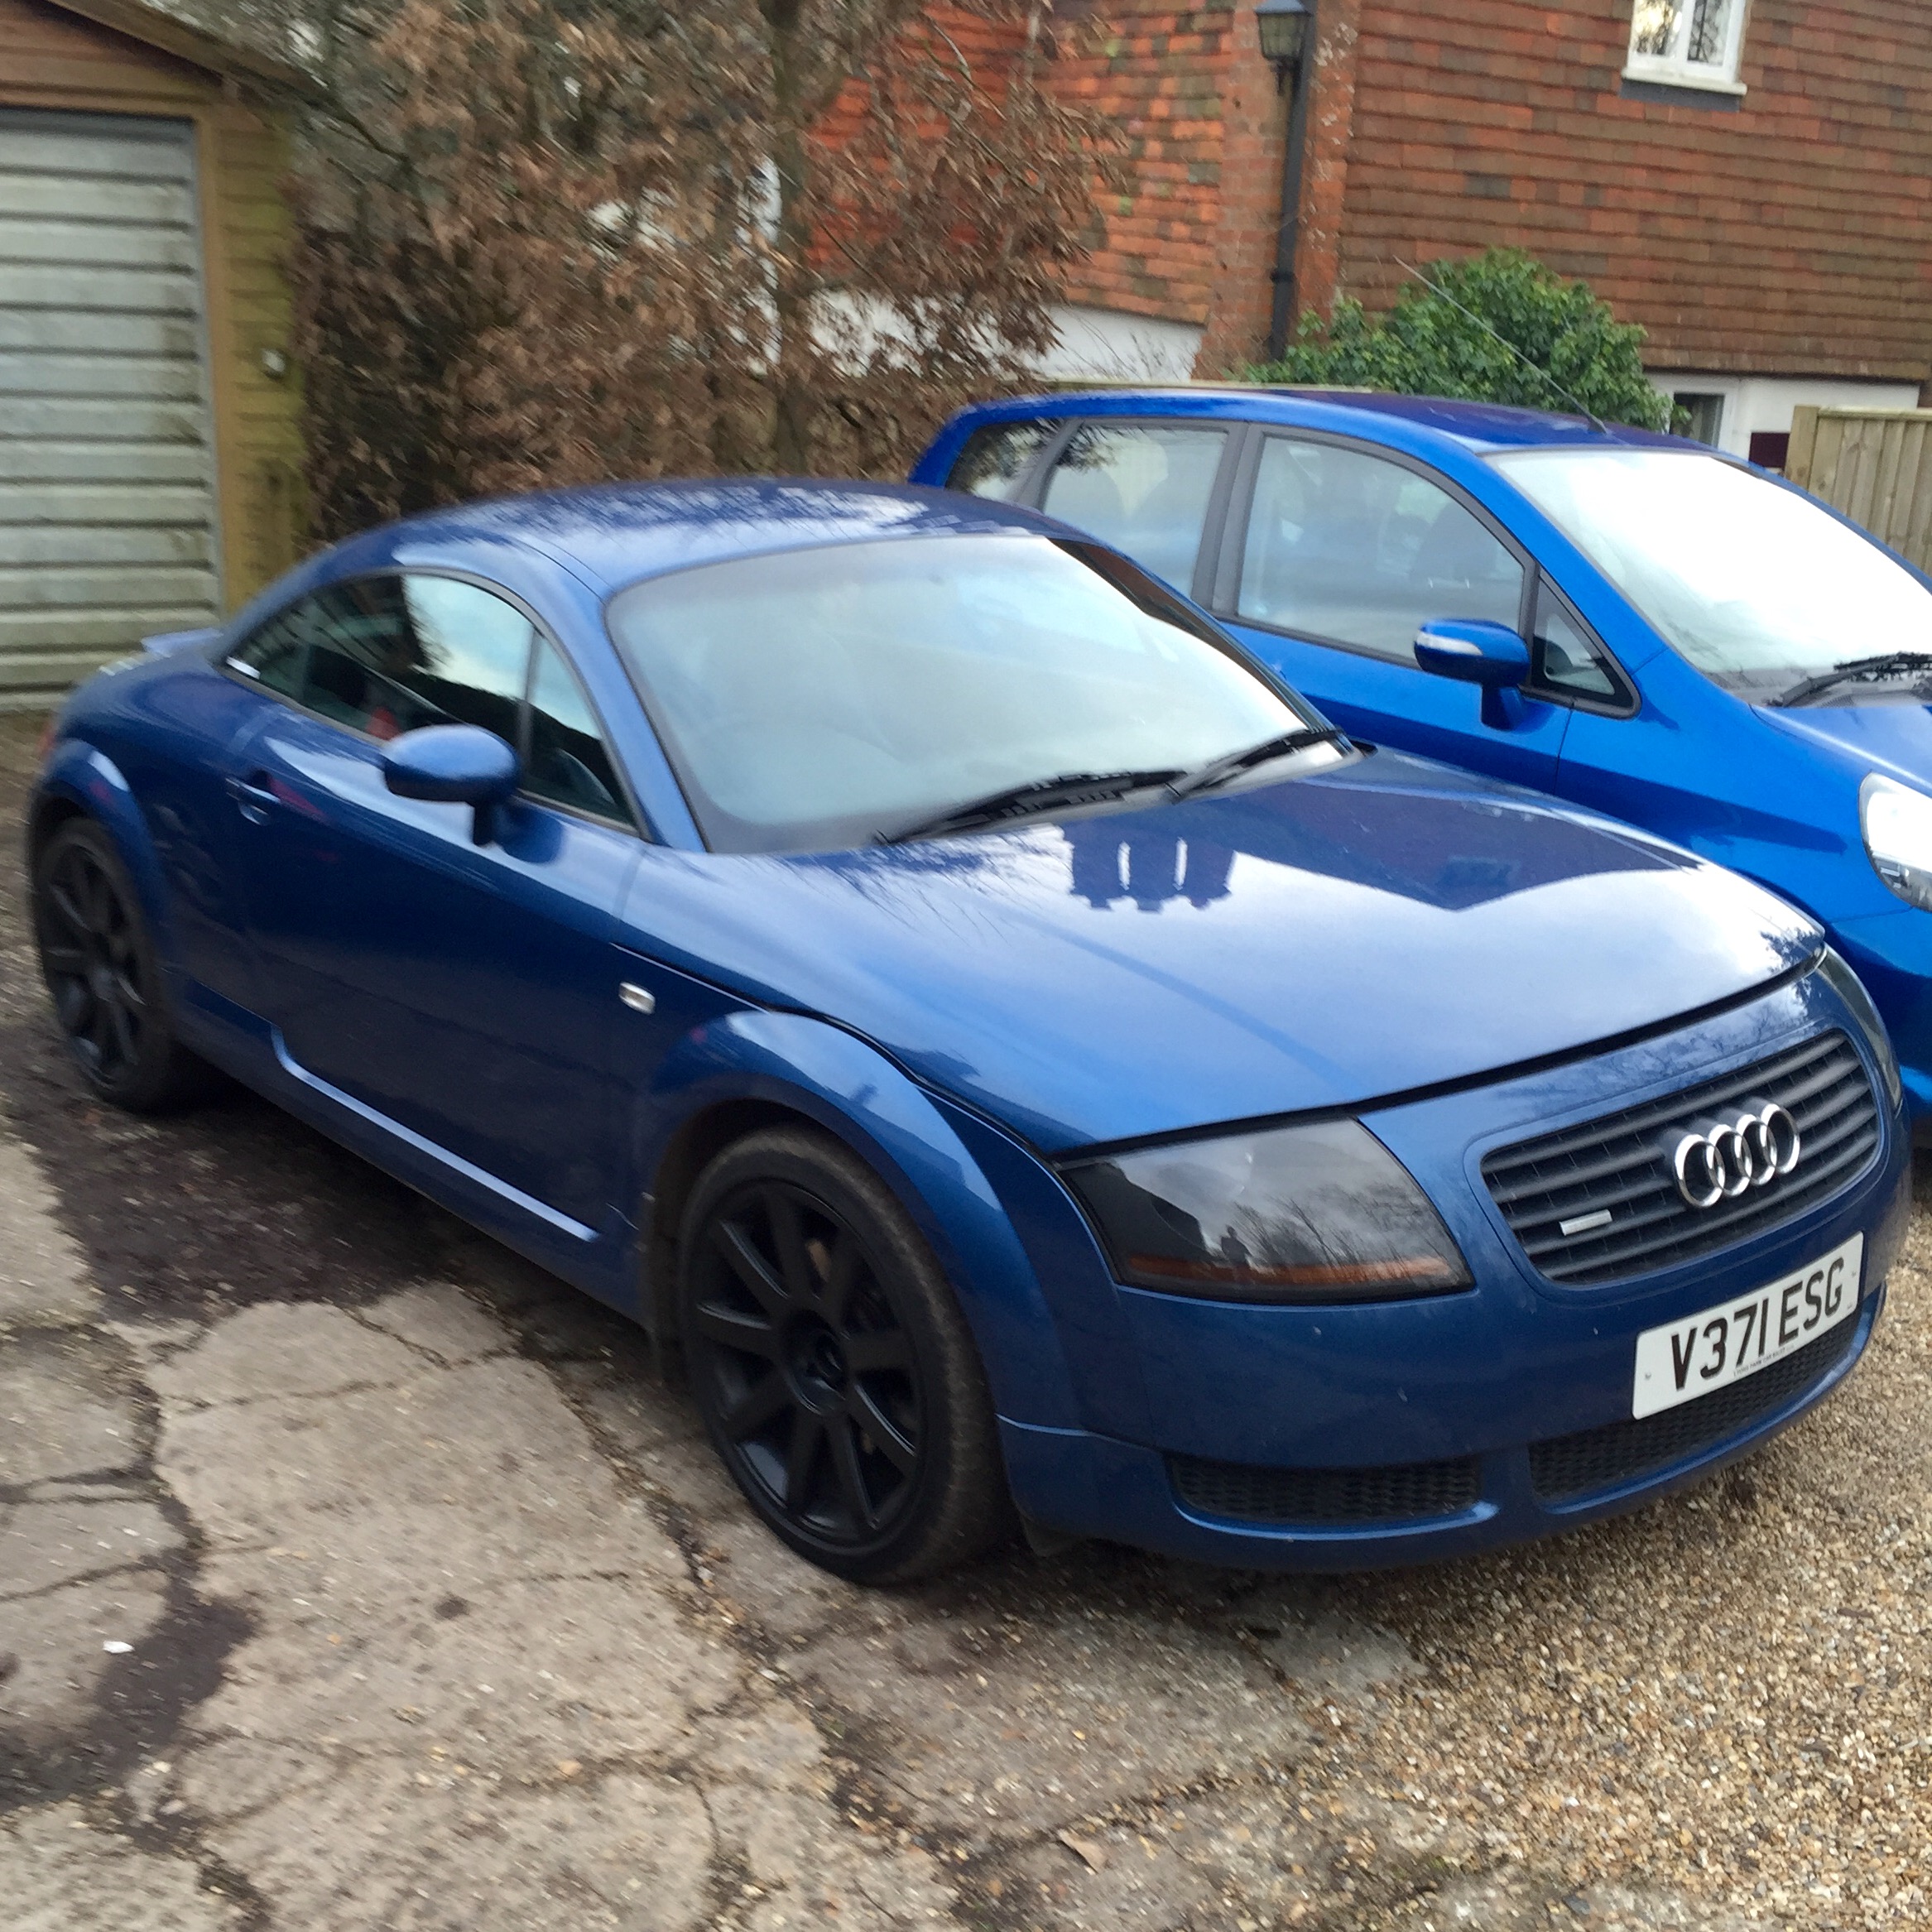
<point x="1895" y="738"/>
<point x="1390" y="926"/>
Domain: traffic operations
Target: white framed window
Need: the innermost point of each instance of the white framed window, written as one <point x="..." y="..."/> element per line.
<point x="1687" y="43"/>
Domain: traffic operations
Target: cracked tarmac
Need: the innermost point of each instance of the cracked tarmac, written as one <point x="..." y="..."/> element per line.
<point x="357" y="1577"/>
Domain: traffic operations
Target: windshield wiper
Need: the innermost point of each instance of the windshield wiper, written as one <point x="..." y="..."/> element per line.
<point x="1070" y="788"/>
<point x="1887" y="664"/>
<point x="1283" y="745"/>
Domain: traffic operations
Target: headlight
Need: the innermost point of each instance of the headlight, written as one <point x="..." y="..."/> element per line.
<point x="1897" y="822"/>
<point x="1839" y="977"/>
<point x="1302" y="1213"/>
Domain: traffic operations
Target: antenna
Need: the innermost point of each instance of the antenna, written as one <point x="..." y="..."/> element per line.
<point x="1583" y="409"/>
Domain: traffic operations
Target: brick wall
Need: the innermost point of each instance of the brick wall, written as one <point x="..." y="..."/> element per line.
<point x="1793" y="234"/>
<point x="1154" y="71"/>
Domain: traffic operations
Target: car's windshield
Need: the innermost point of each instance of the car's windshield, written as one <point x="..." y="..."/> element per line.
<point x="1755" y="585"/>
<point x="814" y="699"/>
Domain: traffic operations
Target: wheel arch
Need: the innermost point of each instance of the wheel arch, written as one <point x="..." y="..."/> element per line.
<point x="80" y="780"/>
<point x="756" y="1070"/>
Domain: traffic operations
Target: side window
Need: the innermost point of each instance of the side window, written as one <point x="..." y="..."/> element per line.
<point x="1140" y="487"/>
<point x="388" y="654"/>
<point x="272" y="658"/>
<point x="1566" y="660"/>
<point x="1344" y="546"/>
<point x="996" y="457"/>
<point x="567" y="763"/>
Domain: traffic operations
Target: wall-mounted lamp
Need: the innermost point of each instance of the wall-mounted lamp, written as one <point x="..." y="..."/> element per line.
<point x="1283" y="32"/>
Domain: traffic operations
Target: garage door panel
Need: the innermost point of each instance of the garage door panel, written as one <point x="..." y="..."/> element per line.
<point x="24" y="460"/>
<point x="89" y="637"/>
<point x="148" y="378"/>
<point x="107" y="499"/>
<point x="83" y="417"/>
<point x="96" y="245"/>
<point x="33" y="146"/>
<point x="70" y="543"/>
<point x="100" y="503"/>
<point x="36" y="587"/>
<point x="155" y="291"/>
<point x="98" y="198"/>
<point x="34" y="679"/>
<point x="53" y="332"/>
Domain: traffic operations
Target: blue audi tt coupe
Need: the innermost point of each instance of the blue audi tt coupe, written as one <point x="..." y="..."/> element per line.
<point x="1032" y="1065"/>
<point x="1656" y="632"/>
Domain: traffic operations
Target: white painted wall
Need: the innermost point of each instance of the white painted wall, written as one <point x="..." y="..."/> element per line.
<point x="1755" y="404"/>
<point x="1105" y="345"/>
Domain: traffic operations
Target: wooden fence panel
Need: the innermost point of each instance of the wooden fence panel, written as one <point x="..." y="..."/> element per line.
<point x="1874" y="464"/>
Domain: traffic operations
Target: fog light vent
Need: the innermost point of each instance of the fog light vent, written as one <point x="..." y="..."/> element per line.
<point x="1390" y="1493"/>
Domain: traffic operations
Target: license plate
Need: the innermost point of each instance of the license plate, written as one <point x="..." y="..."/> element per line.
<point x="1700" y="1354"/>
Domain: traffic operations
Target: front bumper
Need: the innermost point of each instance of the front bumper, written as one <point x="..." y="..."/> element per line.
<point x="1489" y="1415"/>
<point x="1095" y="1486"/>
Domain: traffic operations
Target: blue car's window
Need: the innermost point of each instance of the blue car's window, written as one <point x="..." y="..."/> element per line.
<point x="1142" y="487"/>
<point x="1753" y="584"/>
<point x="1566" y="660"/>
<point x="1344" y="546"/>
<point x="812" y="700"/>
<point x="386" y="655"/>
<point x="567" y="762"/>
<point x="996" y="457"/>
<point x="274" y="657"/>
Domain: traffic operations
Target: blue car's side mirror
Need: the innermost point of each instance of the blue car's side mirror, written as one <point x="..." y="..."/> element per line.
<point x="1475" y="651"/>
<point x="454" y="764"/>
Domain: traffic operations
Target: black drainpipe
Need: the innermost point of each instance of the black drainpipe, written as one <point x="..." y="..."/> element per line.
<point x="1290" y="234"/>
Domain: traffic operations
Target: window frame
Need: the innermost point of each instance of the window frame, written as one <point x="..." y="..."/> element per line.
<point x="1626" y="704"/>
<point x="1223" y="600"/>
<point x="1718" y="76"/>
<point x="638" y="825"/>
<point x="1032" y="492"/>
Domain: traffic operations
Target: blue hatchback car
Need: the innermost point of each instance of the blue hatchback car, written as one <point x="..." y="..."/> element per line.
<point x="905" y="954"/>
<point x="1661" y="632"/>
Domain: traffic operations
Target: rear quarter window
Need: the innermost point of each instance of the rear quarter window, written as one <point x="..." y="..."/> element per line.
<point x="998" y="456"/>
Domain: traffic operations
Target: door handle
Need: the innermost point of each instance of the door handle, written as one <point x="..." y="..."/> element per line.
<point x="253" y="796"/>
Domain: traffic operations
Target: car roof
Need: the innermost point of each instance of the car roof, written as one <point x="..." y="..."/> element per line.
<point x="1481" y="427"/>
<point x="615" y="534"/>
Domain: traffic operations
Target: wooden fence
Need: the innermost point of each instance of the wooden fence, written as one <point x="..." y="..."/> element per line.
<point x="1874" y="464"/>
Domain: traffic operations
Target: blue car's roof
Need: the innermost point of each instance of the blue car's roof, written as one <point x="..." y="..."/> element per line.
<point x="1476" y="426"/>
<point x="614" y="533"/>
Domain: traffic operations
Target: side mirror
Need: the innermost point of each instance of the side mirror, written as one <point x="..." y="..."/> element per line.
<point x="454" y="764"/>
<point x="1475" y="651"/>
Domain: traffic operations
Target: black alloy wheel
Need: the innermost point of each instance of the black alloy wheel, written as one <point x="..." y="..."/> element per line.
<point x="832" y="1366"/>
<point x="102" y="972"/>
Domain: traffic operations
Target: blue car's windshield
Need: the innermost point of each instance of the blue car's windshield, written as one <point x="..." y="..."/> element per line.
<point x="814" y="699"/>
<point x="1755" y="585"/>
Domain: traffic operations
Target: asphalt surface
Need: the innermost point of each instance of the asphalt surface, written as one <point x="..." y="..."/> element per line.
<point x="356" y="1577"/>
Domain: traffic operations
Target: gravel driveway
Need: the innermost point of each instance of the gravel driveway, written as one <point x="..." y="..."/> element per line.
<point x="356" y="1577"/>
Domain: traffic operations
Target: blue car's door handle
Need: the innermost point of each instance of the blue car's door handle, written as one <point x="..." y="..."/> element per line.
<point x="256" y="800"/>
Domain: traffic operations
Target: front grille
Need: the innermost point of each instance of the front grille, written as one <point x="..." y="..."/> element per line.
<point x="1395" y="1492"/>
<point x="1571" y="1466"/>
<point x="1622" y="1164"/>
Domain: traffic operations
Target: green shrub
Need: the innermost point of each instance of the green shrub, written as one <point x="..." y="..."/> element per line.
<point x="1560" y="348"/>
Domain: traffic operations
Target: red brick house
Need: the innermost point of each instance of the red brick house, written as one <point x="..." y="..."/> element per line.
<point x="1750" y="179"/>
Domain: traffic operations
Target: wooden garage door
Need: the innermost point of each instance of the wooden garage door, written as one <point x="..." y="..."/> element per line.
<point x="106" y="485"/>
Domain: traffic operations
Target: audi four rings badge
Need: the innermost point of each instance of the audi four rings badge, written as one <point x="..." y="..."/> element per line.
<point x="1735" y="1157"/>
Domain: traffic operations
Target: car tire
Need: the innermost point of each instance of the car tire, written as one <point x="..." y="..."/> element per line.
<point x="834" y="1369"/>
<point x="99" y="959"/>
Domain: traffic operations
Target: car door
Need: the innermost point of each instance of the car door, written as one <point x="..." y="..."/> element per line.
<point x="464" y="993"/>
<point x="1151" y="488"/>
<point x="1334" y="556"/>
